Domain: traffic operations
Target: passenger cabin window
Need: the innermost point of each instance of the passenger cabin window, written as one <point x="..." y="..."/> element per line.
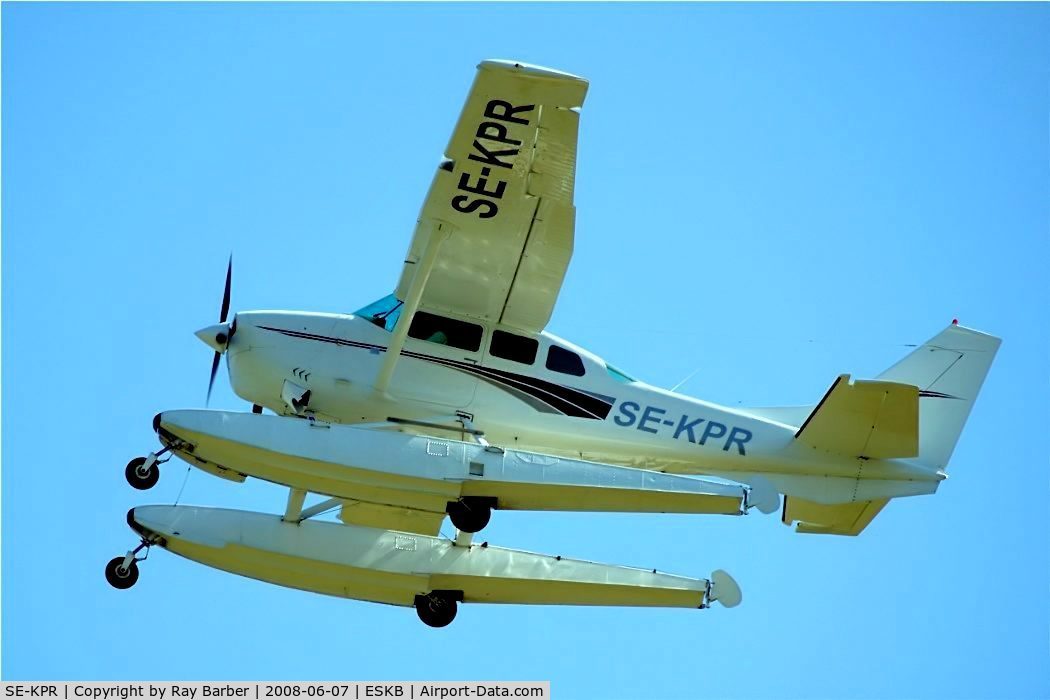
<point x="446" y="331"/>
<point x="561" y="360"/>
<point x="512" y="347"/>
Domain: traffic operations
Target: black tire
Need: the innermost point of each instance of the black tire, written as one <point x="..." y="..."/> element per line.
<point x="119" y="577"/>
<point x="436" y="610"/>
<point x="142" y="482"/>
<point x="469" y="515"/>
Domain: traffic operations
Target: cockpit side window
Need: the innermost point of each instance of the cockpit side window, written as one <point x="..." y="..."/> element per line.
<point x="565" y="361"/>
<point x="446" y="331"/>
<point x="383" y="313"/>
<point x="515" y="348"/>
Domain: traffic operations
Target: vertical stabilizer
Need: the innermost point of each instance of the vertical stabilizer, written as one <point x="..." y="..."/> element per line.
<point x="949" y="370"/>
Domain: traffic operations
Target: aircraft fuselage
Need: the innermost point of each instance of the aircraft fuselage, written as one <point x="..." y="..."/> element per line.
<point x="598" y="415"/>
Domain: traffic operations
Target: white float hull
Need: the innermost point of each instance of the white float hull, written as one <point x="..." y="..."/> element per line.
<point x="385" y="566"/>
<point x="413" y="471"/>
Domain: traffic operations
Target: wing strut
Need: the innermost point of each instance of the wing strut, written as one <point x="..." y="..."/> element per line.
<point x="439" y="233"/>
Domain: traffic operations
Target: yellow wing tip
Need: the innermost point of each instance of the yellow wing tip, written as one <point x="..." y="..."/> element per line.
<point x="534" y="70"/>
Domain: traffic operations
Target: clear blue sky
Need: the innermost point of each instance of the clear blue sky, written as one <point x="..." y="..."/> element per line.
<point x="773" y="194"/>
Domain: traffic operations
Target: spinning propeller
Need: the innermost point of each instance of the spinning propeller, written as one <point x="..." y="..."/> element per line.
<point x="218" y="336"/>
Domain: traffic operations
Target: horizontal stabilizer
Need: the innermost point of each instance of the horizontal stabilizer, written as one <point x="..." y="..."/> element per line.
<point x="875" y="419"/>
<point x="841" y="519"/>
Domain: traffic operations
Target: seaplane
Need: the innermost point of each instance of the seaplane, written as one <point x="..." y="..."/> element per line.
<point x="448" y="398"/>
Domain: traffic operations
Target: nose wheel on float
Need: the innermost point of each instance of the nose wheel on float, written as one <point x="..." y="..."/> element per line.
<point x="123" y="572"/>
<point x="142" y="473"/>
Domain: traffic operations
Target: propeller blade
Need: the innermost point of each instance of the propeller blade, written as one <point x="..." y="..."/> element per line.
<point x="226" y="295"/>
<point x="222" y="338"/>
<point x="214" y="371"/>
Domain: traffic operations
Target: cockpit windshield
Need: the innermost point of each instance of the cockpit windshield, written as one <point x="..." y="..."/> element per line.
<point x="383" y="313"/>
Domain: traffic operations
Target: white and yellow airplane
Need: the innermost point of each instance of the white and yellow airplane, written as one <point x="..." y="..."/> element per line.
<point x="448" y="397"/>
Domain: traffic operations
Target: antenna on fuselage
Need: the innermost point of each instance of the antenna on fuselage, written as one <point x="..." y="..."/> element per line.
<point x="691" y="375"/>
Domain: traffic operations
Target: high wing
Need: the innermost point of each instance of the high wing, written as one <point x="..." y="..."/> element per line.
<point x="504" y="196"/>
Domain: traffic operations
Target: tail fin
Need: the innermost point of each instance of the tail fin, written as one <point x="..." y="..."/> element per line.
<point x="949" y="370"/>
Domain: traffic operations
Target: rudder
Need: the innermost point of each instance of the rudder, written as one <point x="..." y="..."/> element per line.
<point x="949" y="370"/>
